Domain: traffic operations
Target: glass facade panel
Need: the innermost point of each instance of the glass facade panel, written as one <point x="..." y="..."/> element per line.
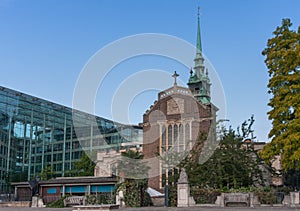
<point x="35" y="133"/>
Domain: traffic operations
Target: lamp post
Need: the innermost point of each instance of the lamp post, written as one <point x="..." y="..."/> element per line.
<point x="166" y="195"/>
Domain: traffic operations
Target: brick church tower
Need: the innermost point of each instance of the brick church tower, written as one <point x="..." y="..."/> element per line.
<point x="175" y="121"/>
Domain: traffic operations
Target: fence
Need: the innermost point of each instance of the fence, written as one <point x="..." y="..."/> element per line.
<point x="7" y="197"/>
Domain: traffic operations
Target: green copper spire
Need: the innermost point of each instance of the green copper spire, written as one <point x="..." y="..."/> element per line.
<point x="199" y="46"/>
<point x="199" y="60"/>
<point x="199" y="82"/>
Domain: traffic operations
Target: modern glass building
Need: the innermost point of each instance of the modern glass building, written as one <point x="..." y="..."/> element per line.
<point x="35" y="133"/>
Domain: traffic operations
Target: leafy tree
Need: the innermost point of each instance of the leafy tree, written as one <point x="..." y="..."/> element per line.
<point x="20" y="177"/>
<point x="171" y="161"/>
<point x="283" y="63"/>
<point x="135" y="184"/>
<point x="47" y="173"/>
<point x="291" y="178"/>
<point x="6" y="177"/>
<point x="233" y="164"/>
<point x="83" y="167"/>
<point x="131" y="165"/>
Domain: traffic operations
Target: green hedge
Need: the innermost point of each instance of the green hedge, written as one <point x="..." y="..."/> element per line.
<point x="205" y="196"/>
<point x="104" y="198"/>
<point x="57" y="204"/>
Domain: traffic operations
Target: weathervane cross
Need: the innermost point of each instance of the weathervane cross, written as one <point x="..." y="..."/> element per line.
<point x="175" y="75"/>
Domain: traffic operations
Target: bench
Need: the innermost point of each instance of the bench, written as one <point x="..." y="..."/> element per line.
<point x="74" y="200"/>
<point x="236" y="199"/>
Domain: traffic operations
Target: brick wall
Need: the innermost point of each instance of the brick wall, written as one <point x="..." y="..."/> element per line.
<point x="166" y="111"/>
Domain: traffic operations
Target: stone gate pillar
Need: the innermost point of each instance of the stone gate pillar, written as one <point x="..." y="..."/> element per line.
<point x="183" y="191"/>
<point x="295" y="198"/>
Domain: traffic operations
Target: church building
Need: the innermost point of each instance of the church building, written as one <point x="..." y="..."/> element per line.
<point x="177" y="120"/>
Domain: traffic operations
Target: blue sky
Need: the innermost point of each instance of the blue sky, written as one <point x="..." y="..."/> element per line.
<point x="45" y="44"/>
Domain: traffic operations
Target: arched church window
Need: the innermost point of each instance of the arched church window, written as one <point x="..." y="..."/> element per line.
<point x="163" y="137"/>
<point x="175" y="135"/>
<point x="170" y="138"/>
<point x="181" y="141"/>
<point x="187" y="134"/>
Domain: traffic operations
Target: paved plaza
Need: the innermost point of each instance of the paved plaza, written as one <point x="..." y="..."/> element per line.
<point x="159" y="209"/>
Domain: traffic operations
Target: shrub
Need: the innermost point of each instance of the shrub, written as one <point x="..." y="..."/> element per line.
<point x="135" y="194"/>
<point x="205" y="196"/>
<point x="57" y="204"/>
<point x="266" y="197"/>
<point x="172" y="196"/>
<point x="100" y="199"/>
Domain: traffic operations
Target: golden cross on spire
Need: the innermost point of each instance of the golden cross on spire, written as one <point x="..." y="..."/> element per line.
<point x="175" y="75"/>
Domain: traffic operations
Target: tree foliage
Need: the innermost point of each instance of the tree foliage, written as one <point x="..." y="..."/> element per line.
<point x="47" y="173"/>
<point x="135" y="184"/>
<point x="83" y="167"/>
<point x="283" y="63"/>
<point x="234" y="163"/>
<point x="20" y="177"/>
<point x="291" y="179"/>
<point x="131" y="165"/>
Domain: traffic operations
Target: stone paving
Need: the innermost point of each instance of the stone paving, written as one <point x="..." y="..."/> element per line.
<point x="161" y="209"/>
<point x="210" y="209"/>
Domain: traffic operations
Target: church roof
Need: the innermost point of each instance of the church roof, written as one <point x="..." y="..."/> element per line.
<point x="174" y="90"/>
